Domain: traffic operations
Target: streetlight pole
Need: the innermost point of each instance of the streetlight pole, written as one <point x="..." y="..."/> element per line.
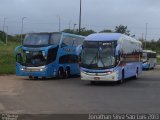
<point x="80" y="14"/>
<point x="142" y="41"/>
<point x="22" y="29"/>
<point x="146" y="35"/>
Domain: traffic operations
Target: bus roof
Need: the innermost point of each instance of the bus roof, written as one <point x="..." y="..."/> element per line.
<point x="57" y="32"/>
<point x="149" y="51"/>
<point x="103" y="37"/>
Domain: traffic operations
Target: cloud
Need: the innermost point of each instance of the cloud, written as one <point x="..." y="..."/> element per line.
<point x="42" y="15"/>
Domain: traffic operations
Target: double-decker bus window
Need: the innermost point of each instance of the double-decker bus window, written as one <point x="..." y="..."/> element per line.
<point x="52" y="53"/>
<point x="55" y="38"/>
<point x="78" y="41"/>
<point x="68" y="59"/>
<point x="67" y="41"/>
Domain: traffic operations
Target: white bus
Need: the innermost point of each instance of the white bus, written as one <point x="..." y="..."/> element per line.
<point x="149" y="59"/>
<point x="110" y="57"/>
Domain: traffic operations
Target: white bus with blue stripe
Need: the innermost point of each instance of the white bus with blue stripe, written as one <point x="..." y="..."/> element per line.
<point x="149" y="59"/>
<point x="110" y="57"/>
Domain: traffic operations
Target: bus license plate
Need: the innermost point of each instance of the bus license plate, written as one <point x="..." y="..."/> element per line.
<point x="96" y="78"/>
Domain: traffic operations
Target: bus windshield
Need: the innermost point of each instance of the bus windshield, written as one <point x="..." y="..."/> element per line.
<point x="36" y="39"/>
<point x="98" y="55"/>
<point x="144" y="57"/>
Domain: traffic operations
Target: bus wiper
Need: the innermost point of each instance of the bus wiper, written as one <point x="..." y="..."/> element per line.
<point x="93" y="59"/>
<point x="101" y="61"/>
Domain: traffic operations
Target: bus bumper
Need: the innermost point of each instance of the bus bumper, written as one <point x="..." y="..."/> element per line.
<point x="99" y="76"/>
<point x="32" y="71"/>
<point x="145" y="66"/>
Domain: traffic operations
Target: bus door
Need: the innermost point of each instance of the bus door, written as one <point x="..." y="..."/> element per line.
<point x="18" y="54"/>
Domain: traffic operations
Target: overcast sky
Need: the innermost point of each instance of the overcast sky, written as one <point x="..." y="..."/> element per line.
<point x="42" y="15"/>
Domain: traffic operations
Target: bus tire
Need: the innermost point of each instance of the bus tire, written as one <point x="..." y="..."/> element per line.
<point x="36" y="78"/>
<point x="122" y="79"/>
<point x="136" y="76"/>
<point x="60" y="73"/>
<point x="30" y="77"/>
<point x="43" y="78"/>
<point x="67" y="72"/>
<point x="92" y="82"/>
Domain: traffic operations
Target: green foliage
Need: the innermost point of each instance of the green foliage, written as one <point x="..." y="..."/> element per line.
<point x="106" y="31"/>
<point x="11" y="39"/>
<point x="2" y="37"/>
<point x="83" y="31"/>
<point x="7" y="58"/>
<point x="122" y="29"/>
<point x="158" y="61"/>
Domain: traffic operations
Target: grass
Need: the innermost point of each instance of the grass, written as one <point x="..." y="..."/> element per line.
<point x="7" y="58"/>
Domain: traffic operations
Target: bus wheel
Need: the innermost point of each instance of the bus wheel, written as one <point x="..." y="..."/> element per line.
<point x="92" y="82"/>
<point x="136" y="76"/>
<point x="67" y="72"/>
<point x="36" y="78"/>
<point x="122" y="79"/>
<point x="30" y="77"/>
<point x="60" y="73"/>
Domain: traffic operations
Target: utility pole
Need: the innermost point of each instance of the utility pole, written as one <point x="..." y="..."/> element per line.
<point x="80" y="14"/>
<point x="22" y="29"/>
<point x="142" y="41"/>
<point x="6" y="35"/>
<point x="4" y="22"/>
<point x="146" y="35"/>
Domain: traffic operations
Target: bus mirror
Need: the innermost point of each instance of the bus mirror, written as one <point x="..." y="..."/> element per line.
<point x="117" y="59"/>
<point x="19" y="58"/>
<point x="79" y="58"/>
<point x="63" y="45"/>
<point x="82" y="47"/>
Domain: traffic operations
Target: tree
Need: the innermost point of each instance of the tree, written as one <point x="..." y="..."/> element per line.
<point x="106" y="31"/>
<point x="83" y="32"/>
<point x="69" y="31"/>
<point x="86" y="32"/>
<point x="122" y="29"/>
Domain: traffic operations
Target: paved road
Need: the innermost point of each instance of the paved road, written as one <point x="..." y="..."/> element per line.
<point x="19" y="95"/>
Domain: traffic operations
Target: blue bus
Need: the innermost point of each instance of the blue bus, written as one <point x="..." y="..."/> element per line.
<point x="110" y="57"/>
<point x="48" y="55"/>
<point x="149" y="59"/>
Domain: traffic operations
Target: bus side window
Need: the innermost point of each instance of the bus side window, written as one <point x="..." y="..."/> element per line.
<point x="52" y="53"/>
<point x="78" y="41"/>
<point x="55" y="38"/>
<point x="68" y="59"/>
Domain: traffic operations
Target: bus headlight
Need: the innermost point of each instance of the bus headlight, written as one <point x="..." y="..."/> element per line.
<point x="22" y="68"/>
<point x="42" y="69"/>
<point x="109" y="72"/>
